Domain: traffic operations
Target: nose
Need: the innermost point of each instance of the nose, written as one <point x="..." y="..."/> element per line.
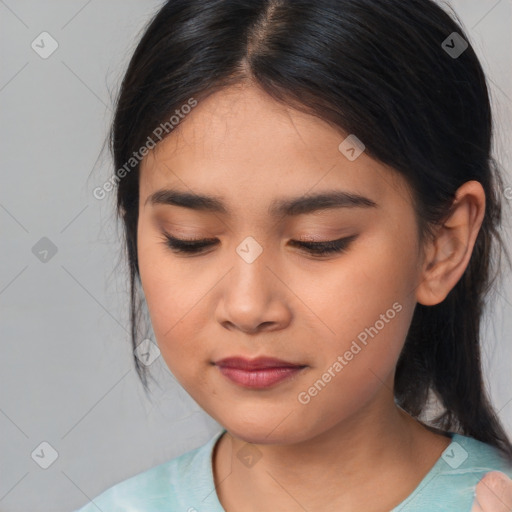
<point x="253" y="297"/>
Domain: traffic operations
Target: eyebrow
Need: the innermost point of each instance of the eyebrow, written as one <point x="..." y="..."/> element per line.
<point x="286" y="207"/>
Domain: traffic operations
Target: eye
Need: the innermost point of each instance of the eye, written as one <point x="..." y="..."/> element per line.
<point x="324" y="248"/>
<point x="316" y="249"/>
<point x="188" y="246"/>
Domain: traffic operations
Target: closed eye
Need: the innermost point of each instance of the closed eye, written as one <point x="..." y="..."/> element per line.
<point x="327" y="247"/>
<point x="317" y="249"/>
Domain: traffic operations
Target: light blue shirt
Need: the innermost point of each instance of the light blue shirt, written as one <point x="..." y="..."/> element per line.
<point x="185" y="483"/>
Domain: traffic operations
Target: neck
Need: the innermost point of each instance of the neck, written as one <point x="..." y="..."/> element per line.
<point x="383" y="447"/>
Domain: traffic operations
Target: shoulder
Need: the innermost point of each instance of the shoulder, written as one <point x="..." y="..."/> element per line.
<point x="451" y="483"/>
<point x="167" y="485"/>
<point x="477" y="457"/>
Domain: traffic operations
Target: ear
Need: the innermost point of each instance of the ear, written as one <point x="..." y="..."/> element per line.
<point x="447" y="255"/>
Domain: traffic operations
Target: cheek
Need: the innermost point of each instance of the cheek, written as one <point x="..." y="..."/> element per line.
<point x="168" y="288"/>
<point x="174" y="303"/>
<point x="367" y="305"/>
<point x="366" y="288"/>
<point x="357" y="365"/>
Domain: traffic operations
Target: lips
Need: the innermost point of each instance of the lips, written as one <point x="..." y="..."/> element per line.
<point x="259" y="363"/>
<point x="259" y="373"/>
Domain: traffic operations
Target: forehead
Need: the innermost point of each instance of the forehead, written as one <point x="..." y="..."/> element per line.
<point x="242" y="145"/>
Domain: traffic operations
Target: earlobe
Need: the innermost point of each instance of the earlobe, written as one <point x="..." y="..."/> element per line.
<point x="448" y="254"/>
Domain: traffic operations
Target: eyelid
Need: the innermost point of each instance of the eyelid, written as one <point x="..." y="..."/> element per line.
<point x="189" y="241"/>
<point x="305" y="240"/>
<point x="316" y="249"/>
<point x="313" y="241"/>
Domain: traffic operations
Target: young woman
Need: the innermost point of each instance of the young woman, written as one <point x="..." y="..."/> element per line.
<point x="311" y="211"/>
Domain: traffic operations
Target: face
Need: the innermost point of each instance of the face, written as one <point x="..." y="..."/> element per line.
<point x="253" y="290"/>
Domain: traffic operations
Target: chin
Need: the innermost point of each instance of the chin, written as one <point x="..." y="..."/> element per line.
<point x="265" y="431"/>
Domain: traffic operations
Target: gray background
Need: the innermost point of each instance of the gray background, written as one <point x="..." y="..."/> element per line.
<point x="66" y="370"/>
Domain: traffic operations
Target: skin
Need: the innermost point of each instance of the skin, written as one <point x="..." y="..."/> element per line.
<point x="493" y="493"/>
<point x="350" y="447"/>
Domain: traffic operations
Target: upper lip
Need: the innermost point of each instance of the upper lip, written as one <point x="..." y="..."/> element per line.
<point x="255" y="364"/>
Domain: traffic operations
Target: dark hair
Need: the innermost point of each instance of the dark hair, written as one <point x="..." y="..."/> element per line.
<point x="376" y="68"/>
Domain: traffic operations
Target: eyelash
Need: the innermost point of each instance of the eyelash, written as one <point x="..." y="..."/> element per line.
<point x="317" y="249"/>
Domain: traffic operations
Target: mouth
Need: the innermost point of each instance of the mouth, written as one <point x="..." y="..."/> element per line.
<point x="259" y="373"/>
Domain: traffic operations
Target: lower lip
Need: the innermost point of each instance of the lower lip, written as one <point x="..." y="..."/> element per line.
<point x="258" y="379"/>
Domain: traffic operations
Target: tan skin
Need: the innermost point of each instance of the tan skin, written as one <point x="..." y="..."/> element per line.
<point x="350" y="447"/>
